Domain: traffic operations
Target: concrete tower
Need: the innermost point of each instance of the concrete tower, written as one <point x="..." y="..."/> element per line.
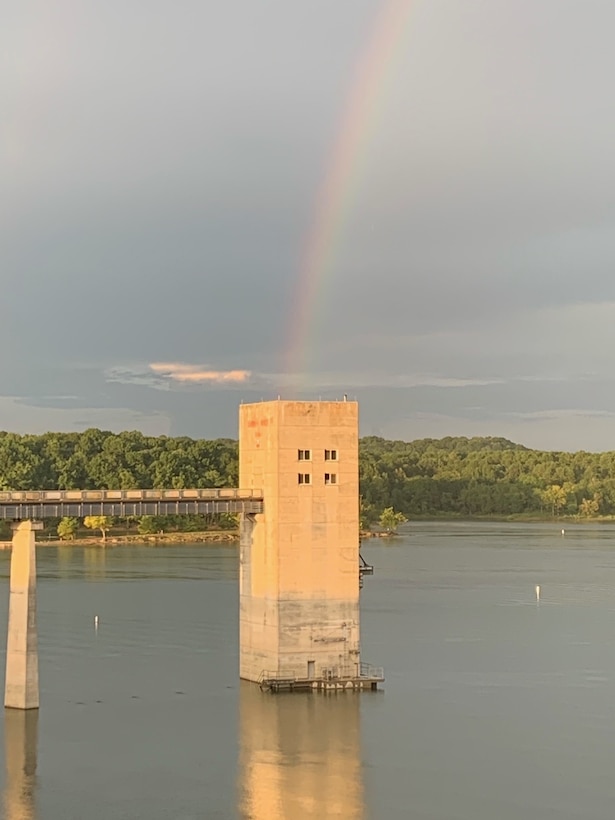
<point x="299" y="564"/>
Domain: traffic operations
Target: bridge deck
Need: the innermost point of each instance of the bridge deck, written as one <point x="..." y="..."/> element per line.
<point x="34" y="504"/>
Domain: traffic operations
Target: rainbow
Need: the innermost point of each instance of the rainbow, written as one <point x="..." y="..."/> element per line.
<point x="341" y="177"/>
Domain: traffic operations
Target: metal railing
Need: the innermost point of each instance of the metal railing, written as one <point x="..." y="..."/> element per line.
<point x="371" y="672"/>
<point x="332" y="673"/>
<point x="72" y="496"/>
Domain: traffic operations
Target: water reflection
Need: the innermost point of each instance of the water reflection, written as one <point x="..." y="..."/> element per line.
<point x="21" y="742"/>
<point x="300" y="756"/>
<point x="135" y="562"/>
<point x="95" y="563"/>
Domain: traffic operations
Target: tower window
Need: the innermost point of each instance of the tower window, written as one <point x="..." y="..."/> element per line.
<point x="330" y="455"/>
<point x="304" y="478"/>
<point x="304" y="455"/>
<point x="330" y="478"/>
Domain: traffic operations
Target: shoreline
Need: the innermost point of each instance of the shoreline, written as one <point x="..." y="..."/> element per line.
<point x="518" y="518"/>
<point x="205" y="537"/>
<point x="231" y="536"/>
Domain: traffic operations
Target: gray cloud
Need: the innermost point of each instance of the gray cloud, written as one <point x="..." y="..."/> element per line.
<point x="159" y="170"/>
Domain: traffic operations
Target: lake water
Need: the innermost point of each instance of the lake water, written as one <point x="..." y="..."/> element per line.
<point x="493" y="706"/>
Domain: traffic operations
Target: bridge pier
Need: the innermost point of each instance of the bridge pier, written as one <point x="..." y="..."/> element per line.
<point x="21" y="685"/>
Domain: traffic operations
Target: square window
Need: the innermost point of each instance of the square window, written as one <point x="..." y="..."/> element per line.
<point x="304" y="455"/>
<point x="330" y="478"/>
<point x="304" y="478"/>
<point x="330" y="455"/>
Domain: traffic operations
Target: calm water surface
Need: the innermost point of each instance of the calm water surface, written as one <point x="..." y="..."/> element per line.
<point x="494" y="707"/>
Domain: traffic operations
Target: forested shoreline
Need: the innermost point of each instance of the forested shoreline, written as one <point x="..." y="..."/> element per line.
<point x="453" y="476"/>
<point x="484" y="477"/>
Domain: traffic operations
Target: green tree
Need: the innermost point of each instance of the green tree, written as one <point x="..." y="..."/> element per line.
<point x="228" y="521"/>
<point x="98" y="522"/>
<point x="554" y="497"/>
<point x="67" y="528"/>
<point x="391" y="520"/>
<point x="148" y="525"/>
<point x="367" y="514"/>
<point x="590" y="506"/>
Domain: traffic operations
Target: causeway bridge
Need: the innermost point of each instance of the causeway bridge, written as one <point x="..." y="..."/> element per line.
<point x="25" y="508"/>
<point x="35" y="504"/>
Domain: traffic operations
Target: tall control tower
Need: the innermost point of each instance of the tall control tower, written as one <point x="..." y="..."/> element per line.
<point x="300" y="567"/>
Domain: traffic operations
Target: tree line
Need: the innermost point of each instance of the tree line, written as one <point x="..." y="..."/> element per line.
<point x="472" y="477"/>
<point x="453" y="476"/>
<point x="97" y="459"/>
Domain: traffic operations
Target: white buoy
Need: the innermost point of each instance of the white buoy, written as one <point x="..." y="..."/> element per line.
<point x="96" y="621"/>
<point x="537" y="593"/>
<point x="563" y="532"/>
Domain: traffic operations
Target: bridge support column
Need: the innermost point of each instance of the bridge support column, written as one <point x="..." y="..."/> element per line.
<point x="21" y="686"/>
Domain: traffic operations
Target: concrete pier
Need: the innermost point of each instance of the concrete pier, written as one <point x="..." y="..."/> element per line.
<point x="21" y="686"/>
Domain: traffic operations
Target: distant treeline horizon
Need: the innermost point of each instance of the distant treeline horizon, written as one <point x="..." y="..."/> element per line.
<point x="480" y="476"/>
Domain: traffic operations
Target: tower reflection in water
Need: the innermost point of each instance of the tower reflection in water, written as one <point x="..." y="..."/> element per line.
<point x="300" y="755"/>
<point x="21" y="748"/>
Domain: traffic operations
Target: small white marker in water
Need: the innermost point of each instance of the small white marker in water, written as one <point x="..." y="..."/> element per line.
<point x="537" y="593"/>
<point x="96" y="621"/>
<point x="563" y="532"/>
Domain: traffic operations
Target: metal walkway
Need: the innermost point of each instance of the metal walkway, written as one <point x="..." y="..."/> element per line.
<point x="35" y="504"/>
<point x="332" y="680"/>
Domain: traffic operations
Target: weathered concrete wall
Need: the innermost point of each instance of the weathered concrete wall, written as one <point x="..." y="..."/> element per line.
<point x="21" y="685"/>
<point x="325" y="631"/>
<point x="299" y="580"/>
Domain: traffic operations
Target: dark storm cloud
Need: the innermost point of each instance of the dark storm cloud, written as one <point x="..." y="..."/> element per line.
<point x="160" y="164"/>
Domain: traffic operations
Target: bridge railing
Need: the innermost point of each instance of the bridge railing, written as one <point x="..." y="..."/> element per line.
<point x="19" y="505"/>
<point x="89" y="496"/>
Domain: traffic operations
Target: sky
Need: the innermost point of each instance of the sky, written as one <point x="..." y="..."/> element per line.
<point x="162" y="170"/>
